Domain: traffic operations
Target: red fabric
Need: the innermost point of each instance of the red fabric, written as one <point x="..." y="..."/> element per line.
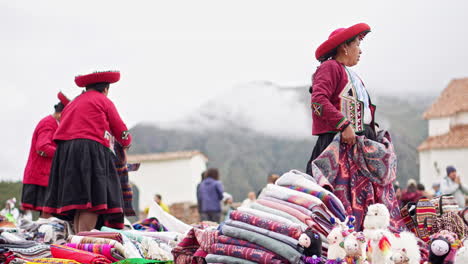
<point x="91" y="116"/>
<point x="339" y="36"/>
<point x="81" y="256"/>
<point x="97" y="77"/>
<point x="328" y="83"/>
<point x="99" y="209"/>
<point x="63" y="99"/>
<point x="407" y="196"/>
<point x="41" y="152"/>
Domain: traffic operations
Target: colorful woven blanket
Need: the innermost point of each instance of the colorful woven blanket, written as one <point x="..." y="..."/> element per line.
<point x="97" y="240"/>
<point x="64" y="252"/>
<point x="107" y="251"/>
<point x="122" y="171"/>
<point x="110" y="235"/>
<point x="52" y="261"/>
<point x="360" y="175"/>
<point x="277" y="227"/>
<point x="150" y="224"/>
<point x="252" y="254"/>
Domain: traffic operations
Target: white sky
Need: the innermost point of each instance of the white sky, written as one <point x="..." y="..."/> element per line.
<point x="176" y="55"/>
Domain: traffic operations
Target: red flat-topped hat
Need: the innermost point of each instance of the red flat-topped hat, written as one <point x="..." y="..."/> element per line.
<point x="97" y="77"/>
<point x="338" y="37"/>
<point x="63" y="99"/>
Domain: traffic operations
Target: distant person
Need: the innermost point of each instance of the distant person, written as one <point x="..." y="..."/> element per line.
<point x="271" y="179"/>
<point x="452" y="185"/>
<point x="158" y="200"/>
<point x="227" y="206"/>
<point x="422" y="190"/>
<point x="251" y="198"/>
<point x="411" y="193"/>
<point x="41" y="153"/>
<point x="10" y="212"/>
<point x="198" y="200"/>
<point x="84" y="184"/>
<point x="210" y="193"/>
<point x="436" y="189"/>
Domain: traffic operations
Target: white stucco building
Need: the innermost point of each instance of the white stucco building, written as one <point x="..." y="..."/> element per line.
<point x="174" y="175"/>
<point x="447" y="143"/>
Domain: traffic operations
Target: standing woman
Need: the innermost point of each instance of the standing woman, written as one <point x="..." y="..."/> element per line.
<point x="340" y="102"/>
<point x="41" y="153"/>
<point x="83" y="181"/>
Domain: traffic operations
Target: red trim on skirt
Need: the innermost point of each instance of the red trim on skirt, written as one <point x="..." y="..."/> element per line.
<point x="26" y="206"/>
<point x="99" y="209"/>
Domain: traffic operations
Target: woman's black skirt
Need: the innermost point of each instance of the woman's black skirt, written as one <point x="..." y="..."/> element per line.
<point x="33" y="197"/>
<point x="83" y="177"/>
<point x="325" y="139"/>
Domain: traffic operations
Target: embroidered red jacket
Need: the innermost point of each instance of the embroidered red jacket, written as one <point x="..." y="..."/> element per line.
<point x="41" y="152"/>
<point x="334" y="100"/>
<point x="92" y="116"/>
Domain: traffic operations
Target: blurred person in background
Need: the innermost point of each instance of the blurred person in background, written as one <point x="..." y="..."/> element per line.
<point x="158" y="200"/>
<point x="251" y="198"/>
<point x="411" y="193"/>
<point x="452" y="185"/>
<point x="210" y="193"/>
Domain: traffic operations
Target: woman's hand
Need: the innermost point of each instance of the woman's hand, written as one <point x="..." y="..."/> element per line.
<point x="348" y="136"/>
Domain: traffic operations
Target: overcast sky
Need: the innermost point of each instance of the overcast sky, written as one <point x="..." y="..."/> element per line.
<point x="176" y="55"/>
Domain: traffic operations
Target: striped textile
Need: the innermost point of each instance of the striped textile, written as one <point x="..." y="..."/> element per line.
<point x="81" y="256"/>
<point x="107" y="251"/>
<point x="52" y="261"/>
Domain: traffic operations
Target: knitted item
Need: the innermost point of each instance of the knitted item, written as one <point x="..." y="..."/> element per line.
<point x="452" y="222"/>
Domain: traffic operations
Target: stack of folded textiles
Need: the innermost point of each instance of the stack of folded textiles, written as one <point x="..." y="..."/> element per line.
<point x="269" y="230"/>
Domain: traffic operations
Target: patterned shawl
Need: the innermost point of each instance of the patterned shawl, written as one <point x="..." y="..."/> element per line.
<point x="252" y="254"/>
<point x="107" y="251"/>
<point x="122" y="171"/>
<point x="360" y="175"/>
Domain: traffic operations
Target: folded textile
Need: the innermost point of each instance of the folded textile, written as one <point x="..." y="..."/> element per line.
<point x="32" y="252"/>
<point x="211" y="258"/>
<point x="284" y="208"/>
<point x="141" y="261"/>
<point x="267" y="215"/>
<point x="97" y="240"/>
<point x="273" y="245"/>
<point x="263" y="208"/>
<point x="52" y="261"/>
<point x="282" y="238"/>
<point x="252" y="254"/>
<point x="150" y="249"/>
<point x="110" y="235"/>
<point x="107" y="251"/>
<point x="239" y="242"/>
<point x="332" y="203"/>
<point x="306" y="183"/>
<point x="163" y="236"/>
<point x="81" y="256"/>
<point x="150" y="224"/>
<point x="271" y="225"/>
<point x="185" y="250"/>
<point x="361" y="175"/>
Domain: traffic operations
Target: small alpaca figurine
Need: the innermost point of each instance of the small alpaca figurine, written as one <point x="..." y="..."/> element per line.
<point x="400" y="257"/>
<point x="406" y="244"/>
<point x="377" y="217"/>
<point x="379" y="247"/>
<point x="355" y="248"/>
<point x="336" y="238"/>
<point x="311" y="242"/>
<point x="443" y="247"/>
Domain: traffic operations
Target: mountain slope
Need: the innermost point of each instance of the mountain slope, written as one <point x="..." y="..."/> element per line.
<point x="261" y="128"/>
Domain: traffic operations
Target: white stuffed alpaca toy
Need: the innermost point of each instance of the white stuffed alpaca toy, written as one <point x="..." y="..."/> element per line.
<point x="355" y="247"/>
<point x="336" y="238"/>
<point x="406" y="244"/>
<point x="376" y="232"/>
<point x="462" y="254"/>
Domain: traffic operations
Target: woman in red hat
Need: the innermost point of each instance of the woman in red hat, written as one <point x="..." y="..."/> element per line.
<point x="36" y="173"/>
<point x="340" y="102"/>
<point x="84" y="183"/>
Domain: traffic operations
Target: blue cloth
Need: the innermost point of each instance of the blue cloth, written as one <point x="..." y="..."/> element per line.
<point x="210" y="194"/>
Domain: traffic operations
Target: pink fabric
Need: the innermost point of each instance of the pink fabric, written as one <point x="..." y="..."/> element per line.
<point x="294" y="212"/>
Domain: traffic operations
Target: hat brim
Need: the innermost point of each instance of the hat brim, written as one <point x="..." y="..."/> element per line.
<point x="63" y="99"/>
<point x="338" y="39"/>
<point x="97" y="77"/>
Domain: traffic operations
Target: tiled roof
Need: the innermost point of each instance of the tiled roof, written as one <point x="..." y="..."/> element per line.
<point x="162" y="156"/>
<point x="453" y="99"/>
<point x="457" y="137"/>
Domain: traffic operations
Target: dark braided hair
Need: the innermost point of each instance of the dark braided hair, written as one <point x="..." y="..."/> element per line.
<point x="100" y="87"/>
<point x="334" y="51"/>
<point x="59" y="107"/>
